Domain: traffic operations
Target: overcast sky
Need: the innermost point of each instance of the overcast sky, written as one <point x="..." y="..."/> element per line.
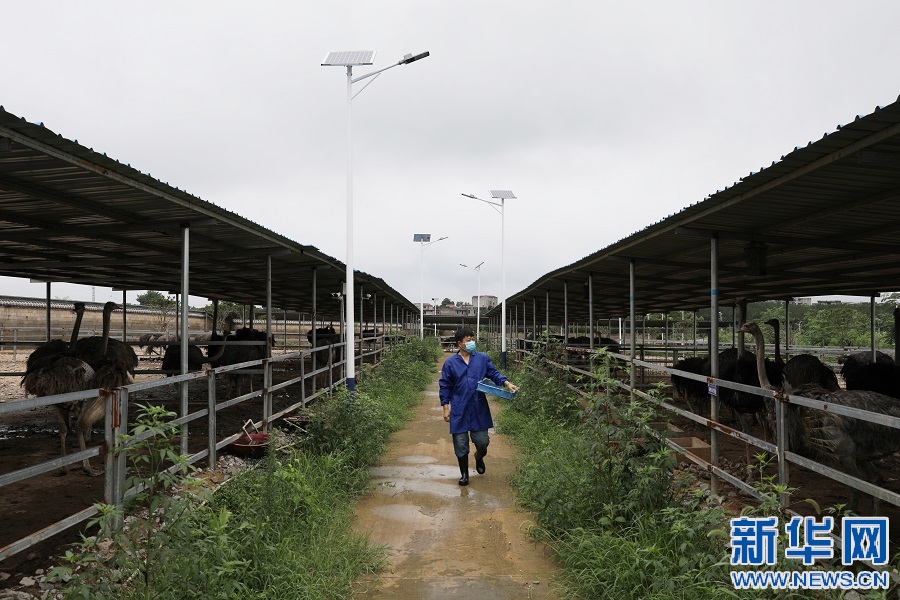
<point x="602" y="117"/>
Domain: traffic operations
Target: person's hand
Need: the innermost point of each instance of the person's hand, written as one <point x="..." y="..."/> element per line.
<point x="511" y="386"/>
<point x="447" y="412"/>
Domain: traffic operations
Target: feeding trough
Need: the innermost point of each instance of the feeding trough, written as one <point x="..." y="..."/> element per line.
<point x="487" y="386"/>
<point x="250" y="445"/>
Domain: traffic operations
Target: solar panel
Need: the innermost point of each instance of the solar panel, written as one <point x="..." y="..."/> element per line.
<point x="504" y="194"/>
<point x="421" y="237"/>
<point x="346" y="58"/>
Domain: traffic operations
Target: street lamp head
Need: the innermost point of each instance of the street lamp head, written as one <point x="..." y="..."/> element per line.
<point x="472" y="196"/>
<point x="502" y="194"/>
<point x="409" y="58"/>
<point x="349" y="58"/>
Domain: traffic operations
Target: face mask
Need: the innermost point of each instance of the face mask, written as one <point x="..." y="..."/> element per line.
<point x="470" y="347"/>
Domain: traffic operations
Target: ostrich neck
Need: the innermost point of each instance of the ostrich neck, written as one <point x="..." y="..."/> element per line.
<point x="79" y="314"/>
<point x="107" y="317"/>
<point x="760" y="360"/>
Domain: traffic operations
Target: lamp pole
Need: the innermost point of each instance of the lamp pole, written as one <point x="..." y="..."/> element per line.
<point x="478" y="305"/>
<point x="350" y="59"/>
<point x="424" y="240"/>
<point x="501" y="195"/>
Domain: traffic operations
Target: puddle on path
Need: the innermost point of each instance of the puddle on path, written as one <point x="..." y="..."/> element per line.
<point x="417" y="458"/>
<point x="407" y="513"/>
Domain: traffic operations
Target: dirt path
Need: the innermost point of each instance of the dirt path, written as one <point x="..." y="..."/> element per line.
<point x="445" y="540"/>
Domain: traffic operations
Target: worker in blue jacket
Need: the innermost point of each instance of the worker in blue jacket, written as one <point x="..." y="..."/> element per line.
<point x="465" y="408"/>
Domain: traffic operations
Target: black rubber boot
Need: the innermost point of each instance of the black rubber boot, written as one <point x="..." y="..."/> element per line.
<point x="479" y="462"/>
<point x="464" y="469"/>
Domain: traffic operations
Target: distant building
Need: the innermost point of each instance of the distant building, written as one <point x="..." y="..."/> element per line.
<point x="807" y="301"/>
<point x="829" y="302"/>
<point x="487" y="302"/>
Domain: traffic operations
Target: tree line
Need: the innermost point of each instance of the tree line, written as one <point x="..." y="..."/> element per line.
<point x="823" y="324"/>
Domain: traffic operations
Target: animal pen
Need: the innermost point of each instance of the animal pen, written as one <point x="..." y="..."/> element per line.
<point x="296" y="370"/>
<point x="70" y="214"/>
<point x="820" y="220"/>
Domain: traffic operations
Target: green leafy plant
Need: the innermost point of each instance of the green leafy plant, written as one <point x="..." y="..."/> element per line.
<point x="133" y="557"/>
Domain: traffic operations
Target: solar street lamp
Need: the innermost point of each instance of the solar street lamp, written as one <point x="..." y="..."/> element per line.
<point x="352" y="59"/>
<point x="502" y="196"/>
<point x="478" y="305"/>
<point x="424" y="240"/>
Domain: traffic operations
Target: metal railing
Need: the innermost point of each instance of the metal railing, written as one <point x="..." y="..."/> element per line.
<point x="780" y="448"/>
<point x="115" y="447"/>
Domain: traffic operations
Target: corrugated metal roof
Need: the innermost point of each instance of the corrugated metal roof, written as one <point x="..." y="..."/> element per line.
<point x="69" y="214"/>
<point x="828" y="214"/>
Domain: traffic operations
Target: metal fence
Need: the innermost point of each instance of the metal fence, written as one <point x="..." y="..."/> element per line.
<point x="115" y="448"/>
<point x="584" y="372"/>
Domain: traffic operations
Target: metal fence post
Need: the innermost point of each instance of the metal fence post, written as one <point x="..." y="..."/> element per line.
<point x="303" y="380"/>
<point x="212" y="424"/>
<point x="267" y="394"/>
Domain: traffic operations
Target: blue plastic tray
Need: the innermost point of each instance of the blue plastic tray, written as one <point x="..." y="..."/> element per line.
<point x="488" y="387"/>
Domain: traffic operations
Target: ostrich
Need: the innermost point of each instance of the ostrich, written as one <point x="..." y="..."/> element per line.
<point x="876" y="376"/>
<point x="234" y="354"/>
<point x="324" y="336"/>
<point x="742" y="369"/>
<point x="144" y="343"/>
<point x="113" y="365"/>
<point x="776" y="325"/>
<point x="690" y="389"/>
<point x="803" y="368"/>
<point x="99" y="351"/>
<point x="852" y="443"/>
<point x="171" y="362"/>
<point x="853" y="362"/>
<point x="50" y="371"/>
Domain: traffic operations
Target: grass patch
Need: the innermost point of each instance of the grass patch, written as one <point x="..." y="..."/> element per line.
<point x="602" y="485"/>
<point x="280" y="530"/>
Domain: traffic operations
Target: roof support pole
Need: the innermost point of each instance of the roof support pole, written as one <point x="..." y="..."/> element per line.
<point x="48" y="311"/>
<point x="185" y="274"/>
<point x="631" y="313"/>
<point x="547" y="312"/>
<point x="314" y="324"/>
<point x="714" y="354"/>
<point x="534" y="334"/>
<point x="565" y="330"/>
<point x="742" y="318"/>
<point x="124" y="316"/>
<point x="694" y="335"/>
<point x="896" y="315"/>
<point x="872" y="324"/>
<point x="267" y="365"/>
<point x="665" y="323"/>
<point x="787" y="329"/>
<point x="590" y="283"/>
<point x="269" y="306"/>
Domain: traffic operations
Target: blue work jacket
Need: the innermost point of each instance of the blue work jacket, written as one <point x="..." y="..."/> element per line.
<point x="469" y="410"/>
